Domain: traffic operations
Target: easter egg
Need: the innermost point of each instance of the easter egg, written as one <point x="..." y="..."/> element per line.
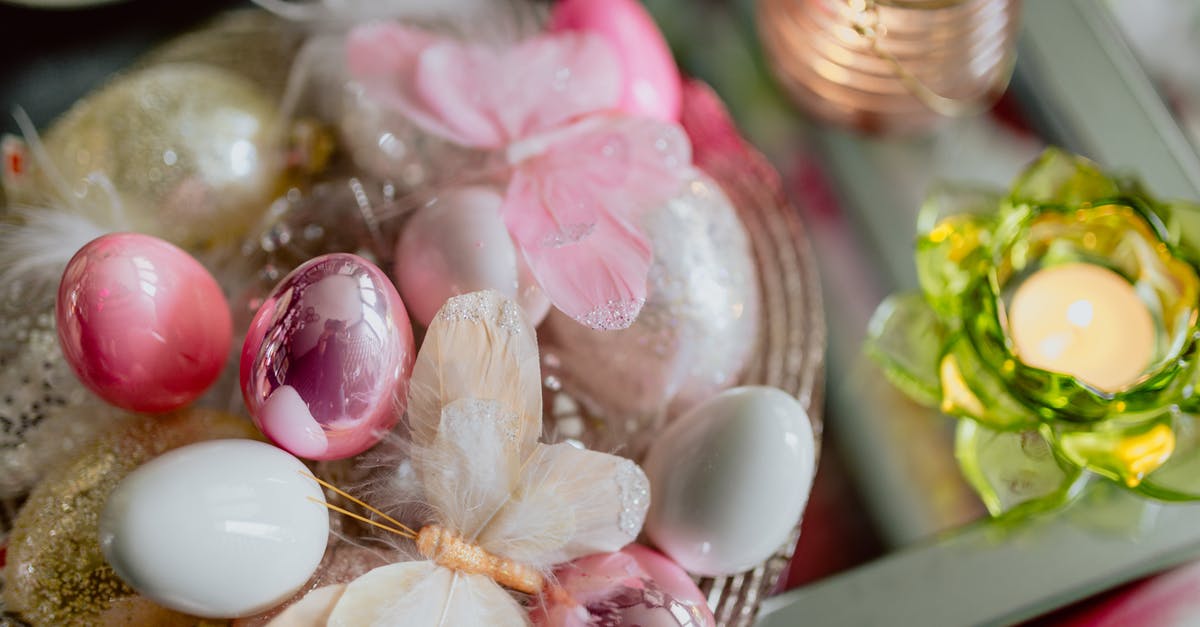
<point x="344" y="561"/>
<point x="652" y="86"/>
<point x="218" y="529"/>
<point x="692" y="337"/>
<point x="460" y="244"/>
<point x="326" y="363"/>
<point x="55" y="572"/>
<point x="635" y="586"/>
<point x="192" y="152"/>
<point x="730" y="479"/>
<point x="142" y="323"/>
<point x="41" y="399"/>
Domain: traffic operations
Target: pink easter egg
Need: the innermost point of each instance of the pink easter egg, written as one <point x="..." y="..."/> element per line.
<point x="634" y="586"/>
<point x="459" y="244"/>
<point x="142" y="323"/>
<point x="326" y="363"/>
<point x="652" y="85"/>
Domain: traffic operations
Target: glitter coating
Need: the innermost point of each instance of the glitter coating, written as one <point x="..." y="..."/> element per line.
<point x="633" y="489"/>
<point x="448" y="549"/>
<point x="692" y="337"/>
<point x="191" y="150"/>
<point x="478" y="306"/>
<point x="55" y="573"/>
<point x="40" y="399"/>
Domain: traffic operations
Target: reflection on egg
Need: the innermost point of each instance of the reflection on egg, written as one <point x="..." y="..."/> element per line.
<point x="326" y="363"/>
<point x="460" y="244"/>
<point x="730" y="479"/>
<point x="142" y="323"/>
<point x="632" y="587"/>
<point x="219" y="529"/>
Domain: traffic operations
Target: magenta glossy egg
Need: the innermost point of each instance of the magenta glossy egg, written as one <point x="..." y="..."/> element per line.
<point x="652" y="85"/>
<point x="634" y="587"/>
<point x="142" y="323"/>
<point x="326" y="363"/>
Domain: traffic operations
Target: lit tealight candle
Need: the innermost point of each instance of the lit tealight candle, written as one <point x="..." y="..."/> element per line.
<point x="1082" y="320"/>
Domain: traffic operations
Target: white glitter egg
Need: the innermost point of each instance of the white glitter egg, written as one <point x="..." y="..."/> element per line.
<point x="694" y="334"/>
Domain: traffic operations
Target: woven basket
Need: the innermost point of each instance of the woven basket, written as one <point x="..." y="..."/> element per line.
<point x="790" y="347"/>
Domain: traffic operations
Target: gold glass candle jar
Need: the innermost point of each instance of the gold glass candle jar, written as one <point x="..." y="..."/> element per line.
<point x="890" y="65"/>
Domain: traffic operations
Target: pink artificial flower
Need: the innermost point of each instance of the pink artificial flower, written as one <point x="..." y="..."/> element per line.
<point x="581" y="174"/>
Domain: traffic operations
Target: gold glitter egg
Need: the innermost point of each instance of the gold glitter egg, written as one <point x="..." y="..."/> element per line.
<point x="691" y="339"/>
<point x="194" y="152"/>
<point x="250" y="42"/>
<point x="55" y="572"/>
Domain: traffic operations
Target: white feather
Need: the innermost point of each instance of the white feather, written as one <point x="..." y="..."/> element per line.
<point x="35" y="251"/>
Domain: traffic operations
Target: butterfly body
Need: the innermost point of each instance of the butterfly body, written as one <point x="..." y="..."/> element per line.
<point x="448" y="549"/>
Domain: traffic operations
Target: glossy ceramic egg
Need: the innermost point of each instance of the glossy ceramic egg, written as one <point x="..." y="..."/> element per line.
<point x="218" y="529"/>
<point x="55" y="572"/>
<point x="730" y="479"/>
<point x="326" y="362"/>
<point x="459" y="244"/>
<point x="142" y="323"/>
<point x="652" y="85"/>
<point x="635" y="586"/>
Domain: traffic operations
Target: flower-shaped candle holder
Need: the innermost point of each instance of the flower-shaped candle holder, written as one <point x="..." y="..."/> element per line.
<point x="1059" y="322"/>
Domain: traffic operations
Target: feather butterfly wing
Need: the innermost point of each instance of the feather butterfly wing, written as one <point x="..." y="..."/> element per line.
<point x="416" y="594"/>
<point x="475" y="417"/>
<point x="478" y="96"/>
<point x="575" y="208"/>
<point x="475" y="407"/>
<point x="581" y="174"/>
<point x="568" y="502"/>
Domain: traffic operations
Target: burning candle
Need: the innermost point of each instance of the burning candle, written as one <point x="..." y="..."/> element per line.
<point x="1082" y="320"/>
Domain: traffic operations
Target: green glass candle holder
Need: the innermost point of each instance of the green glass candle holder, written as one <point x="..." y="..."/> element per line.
<point x="1030" y="432"/>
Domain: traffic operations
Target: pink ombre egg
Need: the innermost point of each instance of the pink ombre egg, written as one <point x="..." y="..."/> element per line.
<point x="326" y="362"/>
<point x="634" y="586"/>
<point x="142" y="323"/>
<point x="652" y="86"/>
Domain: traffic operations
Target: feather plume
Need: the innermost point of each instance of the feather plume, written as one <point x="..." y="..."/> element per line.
<point x="35" y="251"/>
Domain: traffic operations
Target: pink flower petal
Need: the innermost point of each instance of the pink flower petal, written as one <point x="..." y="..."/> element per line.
<point x="574" y="203"/>
<point x="478" y="96"/>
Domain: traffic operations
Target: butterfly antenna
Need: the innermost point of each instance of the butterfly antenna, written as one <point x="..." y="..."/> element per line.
<point x="399" y="529"/>
<point x="346" y="512"/>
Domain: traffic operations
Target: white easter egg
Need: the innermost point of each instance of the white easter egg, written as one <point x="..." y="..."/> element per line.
<point x="460" y="244"/>
<point x="729" y="480"/>
<point x="219" y="529"/>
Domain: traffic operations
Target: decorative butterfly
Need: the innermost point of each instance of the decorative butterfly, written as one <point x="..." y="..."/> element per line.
<point x="580" y="174"/>
<point x="506" y="508"/>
